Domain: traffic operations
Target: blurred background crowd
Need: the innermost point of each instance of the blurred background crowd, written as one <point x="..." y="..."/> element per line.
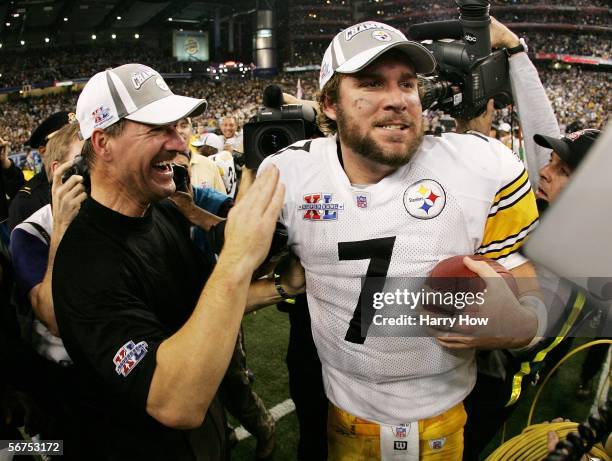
<point x="578" y="87"/>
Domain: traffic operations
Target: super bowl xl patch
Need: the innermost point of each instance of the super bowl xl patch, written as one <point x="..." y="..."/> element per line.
<point x="319" y="206"/>
<point x="128" y="356"/>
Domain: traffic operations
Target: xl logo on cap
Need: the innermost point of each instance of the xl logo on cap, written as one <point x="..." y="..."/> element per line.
<point x="425" y="199"/>
<point x="138" y="78"/>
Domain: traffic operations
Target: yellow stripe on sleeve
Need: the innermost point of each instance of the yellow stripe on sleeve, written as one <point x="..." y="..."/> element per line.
<point x="506" y="229"/>
<point x="511" y="187"/>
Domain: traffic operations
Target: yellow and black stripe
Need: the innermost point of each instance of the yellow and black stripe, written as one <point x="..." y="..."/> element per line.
<point x="513" y="215"/>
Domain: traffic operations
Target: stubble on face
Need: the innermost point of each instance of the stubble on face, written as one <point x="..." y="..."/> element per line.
<point x="363" y="144"/>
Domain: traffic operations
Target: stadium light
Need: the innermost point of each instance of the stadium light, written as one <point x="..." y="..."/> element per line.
<point x="65" y="19"/>
<point x="22" y="42"/>
<point x="136" y="36"/>
<point x="93" y="36"/>
<point x="15" y="15"/>
<point x="8" y="24"/>
<point x="190" y="69"/>
<point x="46" y="39"/>
<point x="170" y="19"/>
<point x="0" y="45"/>
<point x="114" y="36"/>
<point x="118" y="18"/>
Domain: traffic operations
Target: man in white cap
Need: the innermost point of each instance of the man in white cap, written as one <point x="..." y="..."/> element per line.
<point x="211" y="146"/>
<point x="204" y="172"/>
<point x="378" y="201"/>
<point x="149" y="324"/>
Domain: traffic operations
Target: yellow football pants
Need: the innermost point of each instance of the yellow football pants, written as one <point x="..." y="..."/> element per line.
<point x="354" y="439"/>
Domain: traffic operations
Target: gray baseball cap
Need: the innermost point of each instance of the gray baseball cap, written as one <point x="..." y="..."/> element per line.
<point x="357" y="46"/>
<point x="135" y="92"/>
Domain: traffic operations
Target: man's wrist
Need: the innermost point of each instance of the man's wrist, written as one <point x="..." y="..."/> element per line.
<point x="282" y="289"/>
<point x="516" y="47"/>
<point x="535" y="318"/>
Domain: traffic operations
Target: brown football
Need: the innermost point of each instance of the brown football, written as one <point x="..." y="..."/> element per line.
<point x="452" y="275"/>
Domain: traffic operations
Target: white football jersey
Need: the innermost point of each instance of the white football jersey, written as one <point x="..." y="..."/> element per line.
<point x="460" y="194"/>
<point x="227" y="170"/>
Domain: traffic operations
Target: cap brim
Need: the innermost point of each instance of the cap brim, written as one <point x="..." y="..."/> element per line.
<point x="50" y="125"/>
<point x="421" y="58"/>
<point x="197" y="143"/>
<point x="169" y="110"/>
<point x="558" y="145"/>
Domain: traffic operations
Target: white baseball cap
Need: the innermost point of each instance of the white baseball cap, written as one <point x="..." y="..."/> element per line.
<point x="504" y="127"/>
<point x="357" y="46"/>
<point x="135" y="92"/>
<point x="209" y="139"/>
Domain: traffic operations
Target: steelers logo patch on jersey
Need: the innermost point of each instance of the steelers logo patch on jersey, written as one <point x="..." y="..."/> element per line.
<point x="425" y="199"/>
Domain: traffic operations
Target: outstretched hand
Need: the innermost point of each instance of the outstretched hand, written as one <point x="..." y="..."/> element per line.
<point x="251" y="222"/>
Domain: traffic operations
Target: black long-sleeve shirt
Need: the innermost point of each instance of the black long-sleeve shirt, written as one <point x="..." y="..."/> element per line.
<point x="11" y="180"/>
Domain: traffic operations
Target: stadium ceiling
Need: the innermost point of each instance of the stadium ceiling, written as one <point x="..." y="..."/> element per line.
<point x="22" y="16"/>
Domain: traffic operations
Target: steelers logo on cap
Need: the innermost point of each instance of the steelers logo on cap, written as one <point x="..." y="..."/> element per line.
<point x="425" y="199"/>
<point x="382" y="36"/>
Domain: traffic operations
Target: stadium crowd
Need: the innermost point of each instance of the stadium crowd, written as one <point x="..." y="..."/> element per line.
<point x="18" y="68"/>
<point x="239" y="98"/>
<point x="580" y="44"/>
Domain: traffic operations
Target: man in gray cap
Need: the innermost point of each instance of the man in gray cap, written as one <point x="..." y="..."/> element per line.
<point x="378" y="199"/>
<point x="149" y="322"/>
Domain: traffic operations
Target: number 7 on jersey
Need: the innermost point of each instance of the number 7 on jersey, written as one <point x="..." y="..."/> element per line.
<point x="379" y="252"/>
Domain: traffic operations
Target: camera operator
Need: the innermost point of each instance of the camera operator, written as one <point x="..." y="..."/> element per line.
<point x="149" y="324"/>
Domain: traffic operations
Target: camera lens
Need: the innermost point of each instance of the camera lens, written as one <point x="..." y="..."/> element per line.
<point x="273" y="140"/>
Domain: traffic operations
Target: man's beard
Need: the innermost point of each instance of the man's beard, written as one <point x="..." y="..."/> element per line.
<point x="365" y="146"/>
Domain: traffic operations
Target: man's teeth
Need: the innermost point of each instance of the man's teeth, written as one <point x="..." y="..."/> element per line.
<point x="393" y="127"/>
<point x="165" y="165"/>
